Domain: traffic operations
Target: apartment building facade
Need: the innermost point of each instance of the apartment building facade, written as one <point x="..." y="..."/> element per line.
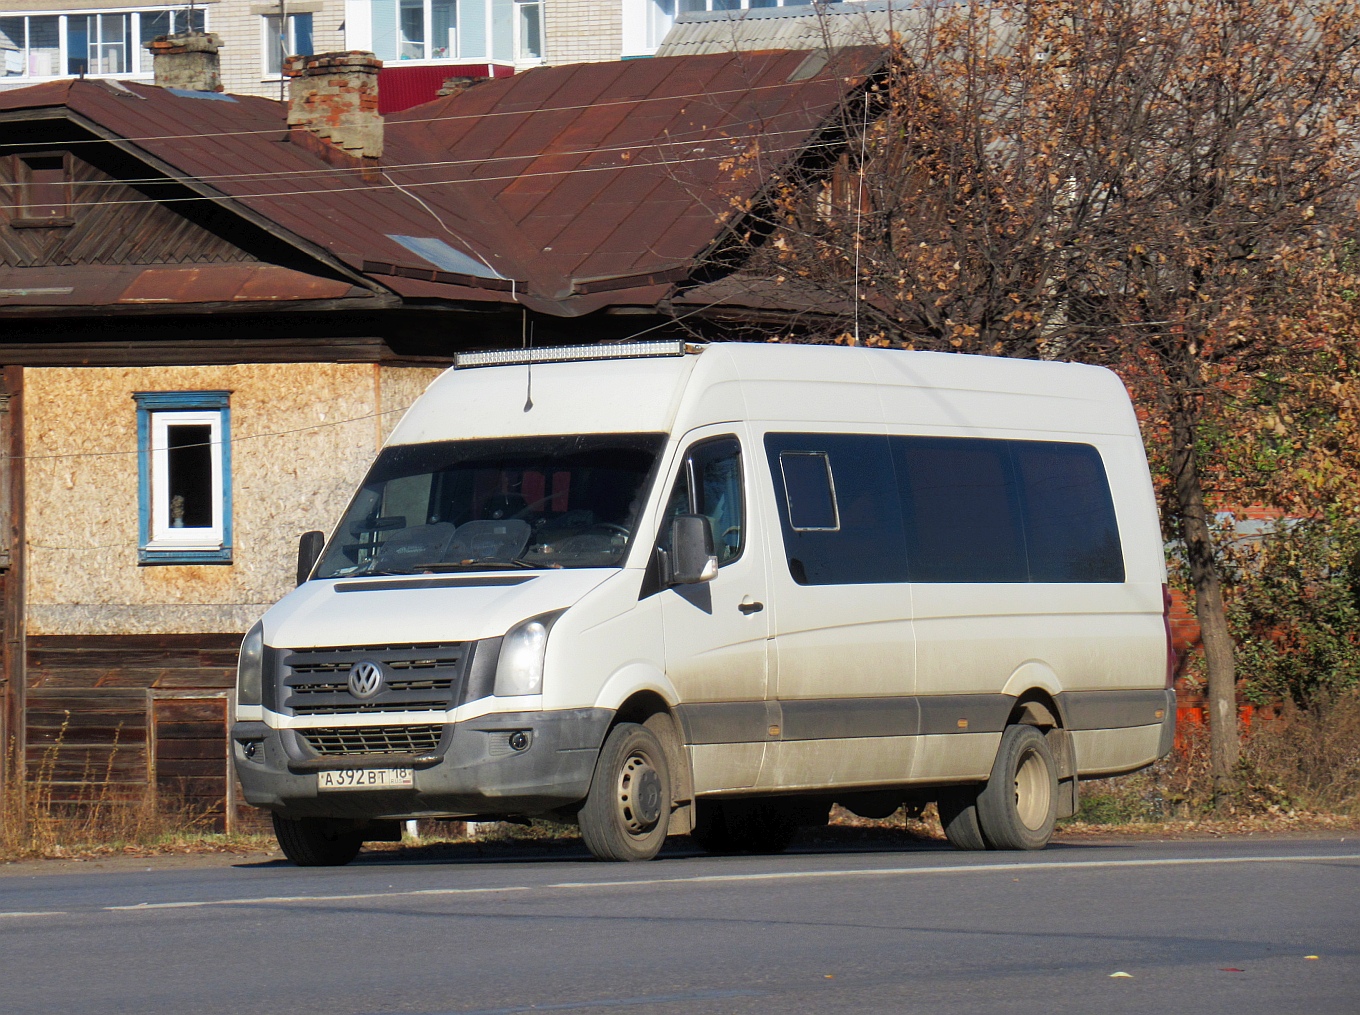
<point x="42" y="40"/>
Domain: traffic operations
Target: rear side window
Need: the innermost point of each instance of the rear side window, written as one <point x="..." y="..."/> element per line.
<point x="962" y="509"/>
<point x="862" y="509"/>
<point x="838" y="508"/>
<point x="1070" y="526"/>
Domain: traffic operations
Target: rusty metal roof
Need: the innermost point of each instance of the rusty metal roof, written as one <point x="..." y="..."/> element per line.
<point x="129" y="285"/>
<point x="577" y="187"/>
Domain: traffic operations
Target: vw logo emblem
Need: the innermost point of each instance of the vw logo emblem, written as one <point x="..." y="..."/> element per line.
<point x="365" y="678"/>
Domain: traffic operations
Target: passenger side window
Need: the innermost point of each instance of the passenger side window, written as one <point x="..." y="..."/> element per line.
<point x="838" y="508"/>
<point x="962" y="510"/>
<point x="710" y="484"/>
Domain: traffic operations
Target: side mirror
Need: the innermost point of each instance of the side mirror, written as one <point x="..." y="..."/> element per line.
<point x="691" y="559"/>
<point x="309" y="551"/>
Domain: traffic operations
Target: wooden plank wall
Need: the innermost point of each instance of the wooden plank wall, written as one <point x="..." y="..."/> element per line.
<point x="88" y="746"/>
<point x="12" y="685"/>
<point x="116" y="717"/>
<point x="199" y="662"/>
<point x="191" y="762"/>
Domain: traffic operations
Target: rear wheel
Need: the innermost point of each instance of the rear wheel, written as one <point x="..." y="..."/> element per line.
<point x="959" y="816"/>
<point x="628" y="808"/>
<point x="316" y="842"/>
<point x="1019" y="805"/>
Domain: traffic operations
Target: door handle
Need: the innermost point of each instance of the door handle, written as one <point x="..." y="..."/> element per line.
<point x="749" y="608"/>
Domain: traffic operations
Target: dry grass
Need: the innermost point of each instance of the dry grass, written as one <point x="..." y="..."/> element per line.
<point x="1300" y="769"/>
<point x="36" y="823"/>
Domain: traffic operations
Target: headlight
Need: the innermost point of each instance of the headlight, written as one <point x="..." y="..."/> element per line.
<point x="250" y="668"/>
<point x="520" y="667"/>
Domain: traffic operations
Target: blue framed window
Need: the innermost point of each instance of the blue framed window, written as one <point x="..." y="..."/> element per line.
<point x="184" y="477"/>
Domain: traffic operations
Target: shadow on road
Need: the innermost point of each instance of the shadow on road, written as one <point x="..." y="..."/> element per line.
<point x="828" y="841"/>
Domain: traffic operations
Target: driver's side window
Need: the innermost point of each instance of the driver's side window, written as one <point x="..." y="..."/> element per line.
<point x="710" y="484"/>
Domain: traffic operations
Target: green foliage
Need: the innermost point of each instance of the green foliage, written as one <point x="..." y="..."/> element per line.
<point x="1295" y="612"/>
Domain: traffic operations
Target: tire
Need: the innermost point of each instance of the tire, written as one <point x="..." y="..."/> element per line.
<point x="316" y="842"/>
<point x="1019" y="805"/>
<point x="959" y="817"/>
<point x="744" y="826"/>
<point x="628" y="808"/>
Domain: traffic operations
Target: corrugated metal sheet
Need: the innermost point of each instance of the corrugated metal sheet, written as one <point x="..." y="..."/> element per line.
<point x="804" y="26"/>
<point x="403" y="87"/>
<point x="92" y="285"/>
<point x="586" y="173"/>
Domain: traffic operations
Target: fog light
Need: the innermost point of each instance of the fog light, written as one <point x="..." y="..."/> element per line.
<point x="519" y="741"/>
<point x="250" y="748"/>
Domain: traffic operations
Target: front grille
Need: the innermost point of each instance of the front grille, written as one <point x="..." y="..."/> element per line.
<point x="416" y="678"/>
<point x="373" y="739"/>
<point x="371" y="706"/>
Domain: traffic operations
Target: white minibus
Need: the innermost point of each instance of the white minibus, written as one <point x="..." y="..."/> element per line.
<point x="662" y="588"/>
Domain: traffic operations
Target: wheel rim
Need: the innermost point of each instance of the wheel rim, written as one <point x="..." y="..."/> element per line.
<point x="639" y="795"/>
<point x="1033" y="790"/>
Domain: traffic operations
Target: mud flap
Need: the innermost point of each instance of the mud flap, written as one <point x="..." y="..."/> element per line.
<point x="1064" y="754"/>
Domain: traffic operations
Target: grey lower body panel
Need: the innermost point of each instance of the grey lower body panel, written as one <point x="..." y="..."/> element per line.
<point x="721" y="722"/>
<point x="474" y="769"/>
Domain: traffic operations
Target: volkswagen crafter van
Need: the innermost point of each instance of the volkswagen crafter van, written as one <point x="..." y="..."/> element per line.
<point x="661" y="588"/>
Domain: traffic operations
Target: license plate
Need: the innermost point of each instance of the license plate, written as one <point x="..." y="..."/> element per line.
<point x="364" y="778"/>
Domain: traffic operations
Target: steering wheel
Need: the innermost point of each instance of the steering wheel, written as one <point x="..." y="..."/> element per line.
<point x="620" y="529"/>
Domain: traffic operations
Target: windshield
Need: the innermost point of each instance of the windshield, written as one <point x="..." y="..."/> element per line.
<point x="531" y="502"/>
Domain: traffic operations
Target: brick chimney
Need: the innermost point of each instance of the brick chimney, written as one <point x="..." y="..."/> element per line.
<point x="456" y="86"/>
<point x="186" y="61"/>
<point x="333" y="106"/>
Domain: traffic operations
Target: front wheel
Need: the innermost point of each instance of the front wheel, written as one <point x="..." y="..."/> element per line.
<point x="628" y="808"/>
<point x="316" y="842"/>
<point x="1019" y="805"/>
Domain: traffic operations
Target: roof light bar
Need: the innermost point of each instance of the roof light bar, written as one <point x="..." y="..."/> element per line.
<point x="575" y="353"/>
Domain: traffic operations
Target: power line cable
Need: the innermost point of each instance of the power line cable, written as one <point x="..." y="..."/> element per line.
<point x="321" y="172"/>
<point x="439" y="119"/>
<point x="369" y="188"/>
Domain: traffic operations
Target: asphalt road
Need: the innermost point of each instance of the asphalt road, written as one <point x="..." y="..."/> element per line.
<point x="1197" y="926"/>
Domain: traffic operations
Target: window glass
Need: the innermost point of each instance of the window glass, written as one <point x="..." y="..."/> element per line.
<point x="275" y="44"/>
<point x="962" y="510"/>
<point x="153" y="24"/>
<point x="190" y="482"/>
<point x="539" y="502"/>
<point x="411" y="24"/>
<point x="443" y="21"/>
<point x="12" y="44"/>
<point x="530" y="31"/>
<point x="44" y="45"/>
<point x="1070" y="526"/>
<point x="302" y="34"/>
<point x="867" y="546"/>
<point x="78" y="40"/>
<point x="717" y="480"/>
<point x="108" y="36"/>
<point x="809" y="489"/>
<point x="285" y="37"/>
<point x="715" y="466"/>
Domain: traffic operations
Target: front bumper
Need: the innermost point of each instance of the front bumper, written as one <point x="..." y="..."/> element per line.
<point x="475" y="769"/>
